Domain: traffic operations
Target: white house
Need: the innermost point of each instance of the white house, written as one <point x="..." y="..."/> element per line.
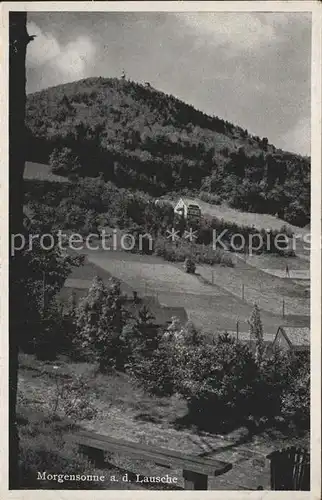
<point x="188" y="208"/>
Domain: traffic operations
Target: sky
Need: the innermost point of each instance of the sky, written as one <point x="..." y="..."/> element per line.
<point x="252" y="69"/>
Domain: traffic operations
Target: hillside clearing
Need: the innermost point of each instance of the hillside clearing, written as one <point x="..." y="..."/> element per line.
<point x="272" y="261"/>
<point x="212" y="308"/>
<point x="265" y="289"/>
<point x="232" y="215"/>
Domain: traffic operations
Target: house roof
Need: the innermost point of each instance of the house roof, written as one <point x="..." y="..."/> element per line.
<point x="162" y="315"/>
<point x="41" y="172"/>
<point x="245" y="336"/>
<point x="298" y="337"/>
<point x="189" y="201"/>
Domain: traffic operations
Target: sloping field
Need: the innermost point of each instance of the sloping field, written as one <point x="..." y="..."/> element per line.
<point x="272" y="261"/>
<point x="267" y="290"/>
<point x="41" y="172"/>
<point x="211" y="308"/>
<point x="297" y="274"/>
<point x="259" y="221"/>
<point x="149" y="275"/>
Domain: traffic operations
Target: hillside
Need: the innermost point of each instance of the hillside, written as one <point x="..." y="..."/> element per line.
<point x="139" y="137"/>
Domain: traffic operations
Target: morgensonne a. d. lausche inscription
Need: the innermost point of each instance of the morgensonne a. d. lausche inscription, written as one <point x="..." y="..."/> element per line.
<point x="139" y="478"/>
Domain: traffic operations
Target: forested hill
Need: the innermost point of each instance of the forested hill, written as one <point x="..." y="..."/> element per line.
<point x="139" y="137"/>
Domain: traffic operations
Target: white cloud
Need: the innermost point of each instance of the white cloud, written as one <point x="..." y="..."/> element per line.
<point x="298" y="139"/>
<point x="243" y="31"/>
<point x="73" y="58"/>
<point x="61" y="63"/>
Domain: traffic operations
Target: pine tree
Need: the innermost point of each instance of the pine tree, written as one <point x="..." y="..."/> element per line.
<point x="256" y="333"/>
<point x="147" y="329"/>
<point x="142" y="335"/>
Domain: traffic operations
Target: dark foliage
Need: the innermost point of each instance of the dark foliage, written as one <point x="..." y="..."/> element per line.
<point x="89" y="205"/>
<point x="224" y="385"/>
<point x="137" y="136"/>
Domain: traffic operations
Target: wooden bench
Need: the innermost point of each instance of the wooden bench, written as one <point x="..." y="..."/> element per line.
<point x="195" y="469"/>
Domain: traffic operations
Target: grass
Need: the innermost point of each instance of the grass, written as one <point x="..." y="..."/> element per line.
<point x="44" y="448"/>
<point x="211" y="308"/>
<point x="262" y="288"/>
<point x="272" y="261"/>
<point x="228" y="214"/>
<point x="124" y="410"/>
<point x="82" y="276"/>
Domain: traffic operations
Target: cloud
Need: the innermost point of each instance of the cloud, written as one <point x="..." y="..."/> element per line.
<point x="244" y="31"/>
<point x="298" y="139"/>
<point x="59" y="63"/>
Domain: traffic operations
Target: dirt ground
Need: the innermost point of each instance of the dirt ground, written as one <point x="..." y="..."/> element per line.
<point x="124" y="411"/>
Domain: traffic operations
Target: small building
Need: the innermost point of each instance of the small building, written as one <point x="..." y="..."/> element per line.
<point x="188" y="208"/>
<point x="245" y="338"/>
<point x="290" y="338"/>
<point x="75" y="289"/>
<point x="163" y="315"/>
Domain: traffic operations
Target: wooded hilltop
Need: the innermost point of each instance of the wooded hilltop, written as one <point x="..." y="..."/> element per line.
<point x="140" y="138"/>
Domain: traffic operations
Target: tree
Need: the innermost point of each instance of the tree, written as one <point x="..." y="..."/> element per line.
<point x="273" y="378"/>
<point x="147" y="329"/>
<point x="256" y="333"/>
<point x="18" y="41"/>
<point x="192" y="336"/>
<point x="100" y="319"/>
<point x="264" y="143"/>
<point x="295" y="401"/>
<point x="64" y="162"/>
<point x="44" y="273"/>
<point x="141" y="336"/>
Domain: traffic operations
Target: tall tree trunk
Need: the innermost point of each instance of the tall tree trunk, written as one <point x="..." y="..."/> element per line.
<point x="18" y="39"/>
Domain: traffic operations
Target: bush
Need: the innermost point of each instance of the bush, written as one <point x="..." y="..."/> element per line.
<point x="223" y="384"/>
<point x="216" y="380"/>
<point x="273" y="379"/>
<point x="285" y="229"/>
<point x="155" y="373"/>
<point x="73" y="398"/>
<point x="217" y="383"/>
<point x="295" y="400"/>
<point x="158" y="373"/>
<point x="182" y="250"/>
<point x="189" y="266"/>
<point x="213" y="199"/>
<point x="226" y="260"/>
